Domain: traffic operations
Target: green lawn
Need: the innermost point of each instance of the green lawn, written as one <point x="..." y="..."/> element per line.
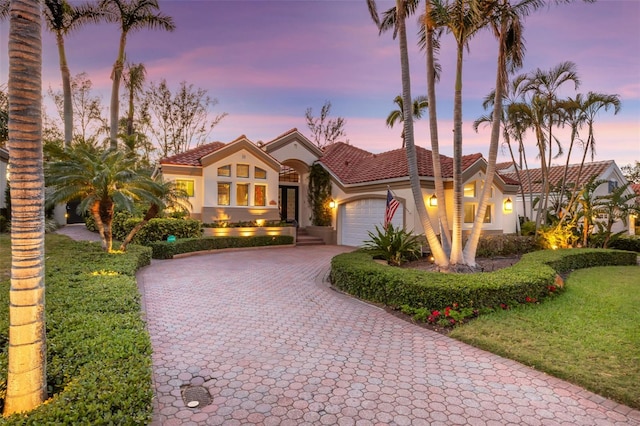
<point x="589" y="335"/>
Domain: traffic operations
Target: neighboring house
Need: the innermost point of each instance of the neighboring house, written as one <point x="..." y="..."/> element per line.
<point x="4" y="165"/>
<point x="241" y="181"/>
<point x="602" y="170"/>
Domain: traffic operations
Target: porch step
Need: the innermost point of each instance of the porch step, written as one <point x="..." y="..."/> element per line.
<point x="304" y="239"/>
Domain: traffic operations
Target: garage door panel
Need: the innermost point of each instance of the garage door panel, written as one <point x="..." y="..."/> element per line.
<point x="361" y="216"/>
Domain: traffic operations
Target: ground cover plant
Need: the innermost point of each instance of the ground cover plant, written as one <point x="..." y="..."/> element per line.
<point x="98" y="350"/>
<point x="588" y="335"/>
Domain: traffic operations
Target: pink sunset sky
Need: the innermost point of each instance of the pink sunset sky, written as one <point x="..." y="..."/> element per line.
<point x="268" y="61"/>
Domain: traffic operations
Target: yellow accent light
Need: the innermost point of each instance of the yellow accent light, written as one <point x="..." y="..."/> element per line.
<point x="433" y="201"/>
<point x="508" y="205"/>
<point x="332" y="204"/>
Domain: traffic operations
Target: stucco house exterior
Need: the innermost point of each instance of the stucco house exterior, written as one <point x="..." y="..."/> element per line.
<point x="4" y="165"/>
<point x="243" y="181"/>
<point x="607" y="171"/>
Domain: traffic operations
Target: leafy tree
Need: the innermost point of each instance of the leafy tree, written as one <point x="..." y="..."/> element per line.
<point x="87" y="109"/>
<point x="632" y="172"/>
<point x="103" y="180"/>
<point x="130" y="15"/>
<point x="63" y="17"/>
<point x="324" y="130"/>
<point x="181" y="118"/>
<point x="26" y="379"/>
<point x="419" y="105"/>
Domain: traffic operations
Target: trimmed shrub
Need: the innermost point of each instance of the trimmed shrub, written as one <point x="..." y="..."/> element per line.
<point x="157" y="229"/>
<point x="4" y="224"/>
<point x="98" y="349"/>
<point x="533" y="277"/>
<point x="166" y="250"/>
<point x="629" y="243"/>
<point x="505" y="245"/>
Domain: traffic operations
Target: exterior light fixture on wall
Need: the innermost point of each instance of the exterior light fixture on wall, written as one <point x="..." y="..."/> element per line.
<point x="508" y="205"/>
<point x="332" y="204"/>
<point x="433" y="201"/>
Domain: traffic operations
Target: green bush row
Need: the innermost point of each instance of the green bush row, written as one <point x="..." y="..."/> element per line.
<point x="629" y="243"/>
<point x="98" y="349"/>
<point x="505" y="245"/>
<point x="156" y="229"/>
<point x="532" y="277"/>
<point x="166" y="250"/>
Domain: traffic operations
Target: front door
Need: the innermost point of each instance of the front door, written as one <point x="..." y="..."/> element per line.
<point x="288" y="202"/>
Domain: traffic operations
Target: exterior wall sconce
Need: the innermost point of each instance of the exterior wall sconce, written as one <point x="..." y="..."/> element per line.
<point x="508" y="205"/>
<point x="433" y="201"/>
<point x="332" y="204"/>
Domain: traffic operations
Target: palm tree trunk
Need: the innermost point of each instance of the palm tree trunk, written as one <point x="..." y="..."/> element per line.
<point x="412" y="161"/>
<point x="457" y="256"/>
<point x="116" y="76"/>
<point x="151" y="213"/>
<point x="26" y="378"/>
<point x="501" y="75"/>
<point x="445" y="232"/>
<point x="66" y="91"/>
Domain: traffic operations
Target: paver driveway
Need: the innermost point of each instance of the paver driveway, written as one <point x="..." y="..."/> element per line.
<point x="273" y="344"/>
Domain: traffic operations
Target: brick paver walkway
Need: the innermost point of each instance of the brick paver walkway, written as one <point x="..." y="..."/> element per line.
<point x="261" y="330"/>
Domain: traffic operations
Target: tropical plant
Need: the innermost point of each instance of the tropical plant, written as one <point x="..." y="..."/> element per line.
<point x="130" y="15"/>
<point x="103" y="180"/>
<point x="418" y="106"/>
<point x="169" y="196"/>
<point x="615" y="206"/>
<point x="395" y="245"/>
<point x="319" y="195"/>
<point x="26" y="379"/>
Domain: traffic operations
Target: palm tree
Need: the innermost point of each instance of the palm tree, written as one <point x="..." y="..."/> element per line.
<point x="26" y="379"/>
<point x="61" y="18"/>
<point x="103" y="180"/>
<point x="545" y="86"/>
<point x="130" y="15"/>
<point x="418" y="105"/>
<point x="134" y="83"/>
<point x="400" y="29"/>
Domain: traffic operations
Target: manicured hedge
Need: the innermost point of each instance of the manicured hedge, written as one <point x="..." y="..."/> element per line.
<point x="166" y="250"/>
<point x="532" y="277"/>
<point x="630" y="243"/>
<point x="98" y="350"/>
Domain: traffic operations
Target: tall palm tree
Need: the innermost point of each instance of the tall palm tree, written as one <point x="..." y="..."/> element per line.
<point x="505" y="20"/>
<point x="61" y="18"/>
<point x="400" y="30"/>
<point x="26" y="379"/>
<point x="418" y="106"/>
<point x="103" y="180"/>
<point x="130" y="15"/>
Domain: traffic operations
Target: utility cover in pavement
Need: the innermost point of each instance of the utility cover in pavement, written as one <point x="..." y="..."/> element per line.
<point x="196" y="396"/>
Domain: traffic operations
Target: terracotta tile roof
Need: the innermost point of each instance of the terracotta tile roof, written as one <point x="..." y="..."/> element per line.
<point x="354" y="165"/>
<point x="288" y="132"/>
<point x="636" y="188"/>
<point x="556" y="173"/>
<point x="504" y="165"/>
<point x="192" y="157"/>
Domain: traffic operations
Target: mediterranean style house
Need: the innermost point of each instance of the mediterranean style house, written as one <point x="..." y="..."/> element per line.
<point x="242" y="181"/>
<point x="606" y="171"/>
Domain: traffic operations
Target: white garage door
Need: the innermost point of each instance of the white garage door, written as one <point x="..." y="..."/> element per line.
<point x="359" y="217"/>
